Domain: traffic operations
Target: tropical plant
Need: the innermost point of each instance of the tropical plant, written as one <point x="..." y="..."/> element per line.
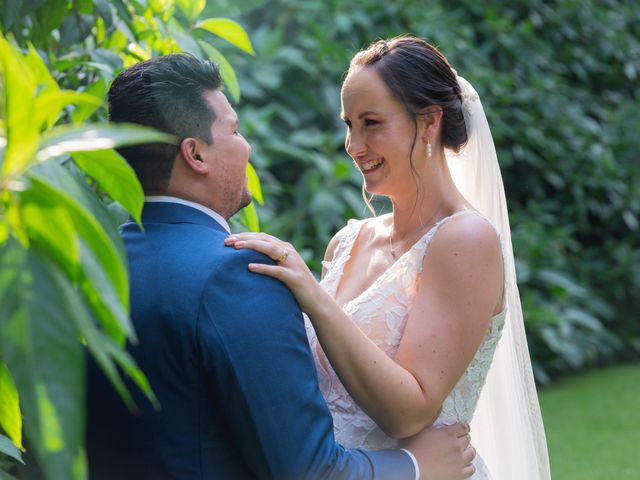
<point x="86" y="43"/>
<point x="63" y="192"/>
<point x="62" y="270"/>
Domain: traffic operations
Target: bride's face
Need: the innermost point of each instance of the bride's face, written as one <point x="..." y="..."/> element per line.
<point x="380" y="134"/>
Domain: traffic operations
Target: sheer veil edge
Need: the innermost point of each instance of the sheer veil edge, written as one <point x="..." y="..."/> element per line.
<point x="507" y="429"/>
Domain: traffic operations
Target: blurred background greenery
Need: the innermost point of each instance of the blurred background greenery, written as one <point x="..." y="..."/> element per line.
<point x="560" y="83"/>
<point x="559" y="80"/>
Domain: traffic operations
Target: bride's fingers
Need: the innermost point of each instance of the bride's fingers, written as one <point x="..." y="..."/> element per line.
<point x="468" y="471"/>
<point x="236" y="237"/>
<point x="270" y="249"/>
<point x="274" y="271"/>
<point x="468" y="454"/>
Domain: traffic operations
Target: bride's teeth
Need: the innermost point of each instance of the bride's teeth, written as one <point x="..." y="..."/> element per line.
<point x="372" y="164"/>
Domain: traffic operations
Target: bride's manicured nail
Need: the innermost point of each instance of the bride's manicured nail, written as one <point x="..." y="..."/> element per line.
<point x="239" y="244"/>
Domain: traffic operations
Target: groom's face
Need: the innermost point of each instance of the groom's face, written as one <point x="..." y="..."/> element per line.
<point x="229" y="155"/>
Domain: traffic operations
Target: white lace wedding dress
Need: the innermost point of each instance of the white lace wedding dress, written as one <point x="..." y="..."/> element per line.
<point x="381" y="313"/>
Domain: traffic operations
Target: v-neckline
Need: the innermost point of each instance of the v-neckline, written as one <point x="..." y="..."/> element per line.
<point x="354" y="238"/>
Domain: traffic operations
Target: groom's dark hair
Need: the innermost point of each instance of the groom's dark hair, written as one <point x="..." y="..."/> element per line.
<point x="165" y="93"/>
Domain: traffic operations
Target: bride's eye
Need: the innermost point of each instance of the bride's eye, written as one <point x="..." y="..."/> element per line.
<point x="369" y="122"/>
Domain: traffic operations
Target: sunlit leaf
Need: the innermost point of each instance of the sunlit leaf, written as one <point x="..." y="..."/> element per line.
<point x="10" y="418"/>
<point x="40" y="71"/>
<point x="191" y="8"/>
<point x="75" y="184"/>
<point x="254" y="184"/>
<point x="52" y="229"/>
<point x="227" y="72"/>
<point x="19" y="88"/>
<point x="101" y="246"/>
<point x="100" y="136"/>
<point x="231" y="31"/>
<point x="83" y="111"/>
<point x="49" y="104"/>
<point x="115" y="176"/>
<point x="49" y="225"/>
<point x="250" y="217"/>
<point x="117" y="41"/>
<point x="135" y="53"/>
<point x="40" y="347"/>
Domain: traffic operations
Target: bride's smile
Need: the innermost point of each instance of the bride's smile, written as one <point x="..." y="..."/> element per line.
<point x="380" y="134"/>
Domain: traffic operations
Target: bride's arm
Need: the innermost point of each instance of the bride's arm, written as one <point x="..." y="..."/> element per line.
<point x="458" y="293"/>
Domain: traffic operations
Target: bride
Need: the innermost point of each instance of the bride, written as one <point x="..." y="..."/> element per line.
<point x="417" y="320"/>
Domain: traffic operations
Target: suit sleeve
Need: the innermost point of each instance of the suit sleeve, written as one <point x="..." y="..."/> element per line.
<point x="254" y="350"/>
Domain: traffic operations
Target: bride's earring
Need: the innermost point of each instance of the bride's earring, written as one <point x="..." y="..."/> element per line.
<point x="429" y="149"/>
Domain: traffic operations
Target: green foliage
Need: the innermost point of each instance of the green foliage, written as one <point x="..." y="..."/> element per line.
<point x="63" y="190"/>
<point x="85" y="44"/>
<point x="60" y="271"/>
<point x="559" y="82"/>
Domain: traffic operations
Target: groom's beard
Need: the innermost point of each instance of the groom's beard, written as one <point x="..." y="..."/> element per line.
<point x="245" y="200"/>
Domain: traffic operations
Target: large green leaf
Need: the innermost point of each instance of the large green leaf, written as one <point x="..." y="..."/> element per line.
<point x="191" y="8"/>
<point x="103" y="348"/>
<point x="97" y="89"/>
<point x="99" y="136"/>
<point x="250" y="217"/>
<point x="42" y="76"/>
<point x="40" y="347"/>
<point x="49" y="225"/>
<point x="10" y="418"/>
<point x="50" y="104"/>
<point x="118" y="326"/>
<point x="115" y="177"/>
<point x="19" y="88"/>
<point x="51" y="228"/>
<point x="254" y="184"/>
<point x="99" y="291"/>
<point x="64" y="175"/>
<point x="229" y="30"/>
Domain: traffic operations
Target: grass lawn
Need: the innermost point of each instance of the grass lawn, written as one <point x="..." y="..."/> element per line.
<point x="592" y="421"/>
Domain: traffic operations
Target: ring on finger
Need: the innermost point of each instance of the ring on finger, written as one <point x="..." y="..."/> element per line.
<point x="282" y="257"/>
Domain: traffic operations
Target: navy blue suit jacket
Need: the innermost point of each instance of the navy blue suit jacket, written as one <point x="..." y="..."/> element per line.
<point x="226" y="353"/>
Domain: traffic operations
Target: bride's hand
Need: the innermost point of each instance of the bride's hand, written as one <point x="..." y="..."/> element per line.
<point x="290" y="268"/>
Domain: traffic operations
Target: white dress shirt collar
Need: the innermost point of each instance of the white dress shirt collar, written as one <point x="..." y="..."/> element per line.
<point x="169" y="199"/>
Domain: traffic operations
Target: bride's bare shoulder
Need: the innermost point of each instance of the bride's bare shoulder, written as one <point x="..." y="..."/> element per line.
<point x="364" y="227"/>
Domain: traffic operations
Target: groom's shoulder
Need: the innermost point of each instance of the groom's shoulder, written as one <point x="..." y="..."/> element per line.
<point x="244" y="302"/>
<point x="232" y="279"/>
<point x="231" y="268"/>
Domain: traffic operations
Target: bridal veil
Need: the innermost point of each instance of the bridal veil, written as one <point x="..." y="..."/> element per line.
<point x="507" y="429"/>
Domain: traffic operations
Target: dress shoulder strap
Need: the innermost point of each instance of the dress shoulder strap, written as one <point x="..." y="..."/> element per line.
<point x="346" y="238"/>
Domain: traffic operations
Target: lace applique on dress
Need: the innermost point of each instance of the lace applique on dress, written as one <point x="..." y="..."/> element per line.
<point x="381" y="312"/>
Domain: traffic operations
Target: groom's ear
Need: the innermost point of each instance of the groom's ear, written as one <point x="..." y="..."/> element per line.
<point x="192" y="155"/>
<point x="429" y="120"/>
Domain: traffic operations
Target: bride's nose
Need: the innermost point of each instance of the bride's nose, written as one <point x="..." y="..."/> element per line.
<point x="354" y="145"/>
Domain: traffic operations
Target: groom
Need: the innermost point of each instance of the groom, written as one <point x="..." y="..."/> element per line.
<point x="224" y="350"/>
